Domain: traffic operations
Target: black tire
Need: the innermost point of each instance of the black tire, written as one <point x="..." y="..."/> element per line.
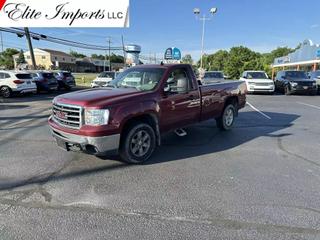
<point x="287" y="90"/>
<point x="5" y="92"/>
<point x="131" y="144"/>
<point x="226" y="121"/>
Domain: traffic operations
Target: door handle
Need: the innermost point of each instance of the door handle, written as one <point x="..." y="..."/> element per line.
<point x="191" y="97"/>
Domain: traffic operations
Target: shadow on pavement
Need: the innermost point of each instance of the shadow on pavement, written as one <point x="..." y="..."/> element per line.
<point x="202" y="139"/>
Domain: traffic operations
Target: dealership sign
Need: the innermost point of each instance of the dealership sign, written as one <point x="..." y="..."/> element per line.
<point x="172" y="54"/>
<point x="64" y="13"/>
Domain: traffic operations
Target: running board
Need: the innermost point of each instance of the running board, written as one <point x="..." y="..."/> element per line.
<point x="180" y="132"/>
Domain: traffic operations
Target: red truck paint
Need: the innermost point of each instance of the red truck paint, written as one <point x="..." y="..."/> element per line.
<point x="169" y="112"/>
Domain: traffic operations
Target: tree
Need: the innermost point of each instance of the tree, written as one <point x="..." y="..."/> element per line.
<point x="116" y="58"/>
<point x="240" y="59"/>
<point x="187" y="59"/>
<point x="100" y="57"/>
<point x="216" y="61"/>
<point x="77" y="55"/>
<point x="6" y="58"/>
<point x="21" y="59"/>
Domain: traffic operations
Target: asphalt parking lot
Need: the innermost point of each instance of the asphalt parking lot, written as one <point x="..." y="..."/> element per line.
<point x="258" y="181"/>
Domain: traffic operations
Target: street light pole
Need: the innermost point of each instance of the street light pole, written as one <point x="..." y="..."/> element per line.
<point x="196" y="11"/>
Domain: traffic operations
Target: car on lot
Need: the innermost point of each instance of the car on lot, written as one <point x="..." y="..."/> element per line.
<point x="212" y="77"/>
<point x="131" y="118"/>
<point x="45" y="81"/>
<point x="12" y="82"/>
<point x="65" y="80"/>
<point x="103" y="79"/>
<point x="258" y="82"/>
<point x="315" y="75"/>
<point x="292" y="81"/>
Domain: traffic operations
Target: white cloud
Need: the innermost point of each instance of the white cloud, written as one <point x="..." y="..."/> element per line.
<point x="314" y="26"/>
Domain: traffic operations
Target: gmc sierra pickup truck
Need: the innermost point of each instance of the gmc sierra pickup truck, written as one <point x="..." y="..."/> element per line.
<point x="131" y="113"/>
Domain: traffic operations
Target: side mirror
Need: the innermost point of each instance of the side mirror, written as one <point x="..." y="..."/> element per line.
<point x="245" y="77"/>
<point x="283" y="77"/>
<point x="167" y="88"/>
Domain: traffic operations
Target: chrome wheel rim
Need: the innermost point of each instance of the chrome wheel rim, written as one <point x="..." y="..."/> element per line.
<point x="229" y="117"/>
<point x="140" y="143"/>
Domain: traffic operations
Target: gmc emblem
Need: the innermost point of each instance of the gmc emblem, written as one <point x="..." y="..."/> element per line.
<point x="61" y="114"/>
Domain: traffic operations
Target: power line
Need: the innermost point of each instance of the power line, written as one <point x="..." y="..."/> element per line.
<point x="38" y="36"/>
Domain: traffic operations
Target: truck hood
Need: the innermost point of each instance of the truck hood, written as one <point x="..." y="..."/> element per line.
<point x="94" y="97"/>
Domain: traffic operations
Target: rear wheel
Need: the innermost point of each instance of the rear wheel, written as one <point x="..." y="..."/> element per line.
<point x="5" y="92"/>
<point x="138" y="144"/>
<point x="226" y="121"/>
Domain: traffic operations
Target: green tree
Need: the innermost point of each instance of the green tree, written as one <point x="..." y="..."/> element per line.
<point x="116" y="58"/>
<point x="21" y="59"/>
<point x="216" y="61"/>
<point x="187" y="59"/>
<point x="240" y="59"/>
<point x="77" y="55"/>
<point x="100" y="57"/>
<point x="6" y="58"/>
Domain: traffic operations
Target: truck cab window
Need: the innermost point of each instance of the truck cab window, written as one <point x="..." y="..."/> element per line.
<point x="178" y="82"/>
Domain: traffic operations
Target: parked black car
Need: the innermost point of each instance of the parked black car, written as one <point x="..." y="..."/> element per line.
<point x="65" y="80"/>
<point x="316" y="77"/>
<point x="45" y="81"/>
<point x="290" y="82"/>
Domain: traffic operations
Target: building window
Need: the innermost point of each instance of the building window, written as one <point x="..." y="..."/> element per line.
<point x="63" y="59"/>
<point x="43" y="57"/>
<point x="55" y="58"/>
<point x="28" y="57"/>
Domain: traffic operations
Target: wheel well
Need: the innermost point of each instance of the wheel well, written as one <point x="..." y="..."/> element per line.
<point x="149" y="119"/>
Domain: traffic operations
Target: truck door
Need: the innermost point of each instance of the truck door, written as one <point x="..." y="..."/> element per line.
<point x="180" y="103"/>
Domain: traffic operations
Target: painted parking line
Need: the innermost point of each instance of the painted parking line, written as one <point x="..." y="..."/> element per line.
<point x="309" y="105"/>
<point x="258" y="111"/>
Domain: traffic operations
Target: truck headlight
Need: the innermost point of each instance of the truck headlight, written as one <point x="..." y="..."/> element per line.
<point x="314" y="84"/>
<point x="96" y="117"/>
<point x="294" y="84"/>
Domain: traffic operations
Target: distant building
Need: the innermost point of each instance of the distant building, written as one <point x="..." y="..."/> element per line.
<point x="49" y="59"/>
<point x="307" y="58"/>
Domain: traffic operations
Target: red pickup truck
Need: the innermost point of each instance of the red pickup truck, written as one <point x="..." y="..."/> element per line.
<point x="136" y="108"/>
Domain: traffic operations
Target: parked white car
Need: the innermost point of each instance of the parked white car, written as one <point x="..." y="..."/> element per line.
<point x="16" y="82"/>
<point x="103" y="79"/>
<point x="258" y="81"/>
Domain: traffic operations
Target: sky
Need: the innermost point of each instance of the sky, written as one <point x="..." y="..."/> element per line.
<point x="155" y="25"/>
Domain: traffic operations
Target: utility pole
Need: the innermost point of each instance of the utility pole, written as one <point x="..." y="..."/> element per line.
<point x="26" y="30"/>
<point x="109" y="53"/>
<point x="1" y="41"/>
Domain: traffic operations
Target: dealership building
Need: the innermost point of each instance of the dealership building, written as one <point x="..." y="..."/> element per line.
<point x="306" y="58"/>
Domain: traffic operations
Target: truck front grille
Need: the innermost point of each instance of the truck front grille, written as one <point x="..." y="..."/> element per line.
<point x="69" y="116"/>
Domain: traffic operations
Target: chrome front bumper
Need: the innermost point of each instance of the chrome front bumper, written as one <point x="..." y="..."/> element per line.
<point x="93" y="145"/>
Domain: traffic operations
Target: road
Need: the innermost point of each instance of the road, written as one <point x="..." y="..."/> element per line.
<point x="258" y="181"/>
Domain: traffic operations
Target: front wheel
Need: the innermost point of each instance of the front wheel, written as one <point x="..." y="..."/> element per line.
<point x="287" y="90"/>
<point x="138" y="144"/>
<point x="226" y="121"/>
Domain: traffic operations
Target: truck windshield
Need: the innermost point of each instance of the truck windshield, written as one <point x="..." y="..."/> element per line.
<point x="213" y="75"/>
<point x="143" y="79"/>
<point x="257" y="75"/>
